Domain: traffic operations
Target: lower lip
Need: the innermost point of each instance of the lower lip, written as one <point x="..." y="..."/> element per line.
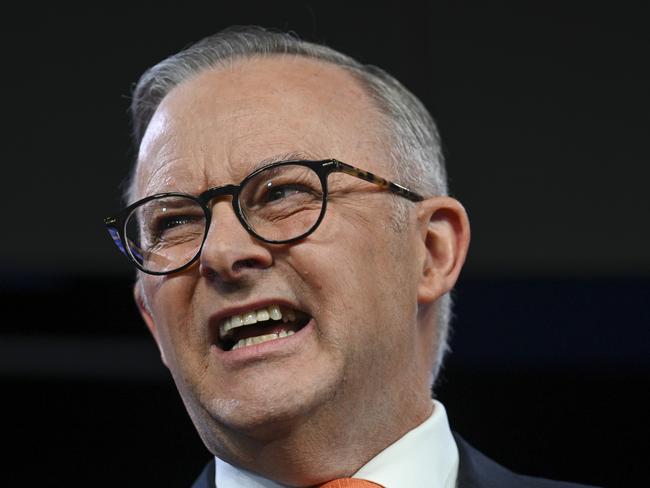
<point x="277" y="347"/>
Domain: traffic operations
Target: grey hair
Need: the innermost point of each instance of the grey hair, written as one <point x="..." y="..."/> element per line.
<point x="416" y="157"/>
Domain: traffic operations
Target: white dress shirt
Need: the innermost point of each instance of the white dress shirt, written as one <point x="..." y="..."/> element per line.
<point x="424" y="457"/>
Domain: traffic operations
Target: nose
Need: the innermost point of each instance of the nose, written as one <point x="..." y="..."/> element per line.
<point x="229" y="252"/>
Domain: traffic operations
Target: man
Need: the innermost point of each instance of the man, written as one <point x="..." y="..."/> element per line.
<point x="296" y="250"/>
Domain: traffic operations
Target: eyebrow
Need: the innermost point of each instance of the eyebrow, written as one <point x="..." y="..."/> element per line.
<point x="293" y="155"/>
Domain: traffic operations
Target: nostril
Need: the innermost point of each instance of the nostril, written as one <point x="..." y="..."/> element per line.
<point x="235" y="274"/>
<point x="232" y="253"/>
<point x="245" y="263"/>
<point x="207" y="272"/>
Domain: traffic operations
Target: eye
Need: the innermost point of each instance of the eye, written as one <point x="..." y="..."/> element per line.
<point x="165" y="222"/>
<point x="171" y="228"/>
<point x="172" y="221"/>
<point x="275" y="193"/>
<point x="279" y="188"/>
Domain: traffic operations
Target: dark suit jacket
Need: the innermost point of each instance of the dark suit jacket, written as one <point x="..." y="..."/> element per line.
<point x="475" y="470"/>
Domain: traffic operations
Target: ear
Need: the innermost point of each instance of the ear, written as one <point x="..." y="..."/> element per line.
<point x="145" y="312"/>
<point x="444" y="230"/>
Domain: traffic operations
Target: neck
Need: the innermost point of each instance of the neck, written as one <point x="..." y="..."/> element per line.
<point x="321" y="447"/>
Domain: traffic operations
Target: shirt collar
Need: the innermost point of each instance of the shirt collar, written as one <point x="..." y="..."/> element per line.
<point x="424" y="457"/>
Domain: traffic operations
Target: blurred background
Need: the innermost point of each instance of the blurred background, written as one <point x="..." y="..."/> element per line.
<point x="544" y="116"/>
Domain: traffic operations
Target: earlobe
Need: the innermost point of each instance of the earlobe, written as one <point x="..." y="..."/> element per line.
<point x="145" y="312"/>
<point x="445" y="234"/>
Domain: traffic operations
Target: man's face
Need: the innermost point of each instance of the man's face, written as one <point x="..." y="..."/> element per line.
<point x="355" y="279"/>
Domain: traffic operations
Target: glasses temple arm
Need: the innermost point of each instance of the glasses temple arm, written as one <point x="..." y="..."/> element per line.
<point x="379" y="181"/>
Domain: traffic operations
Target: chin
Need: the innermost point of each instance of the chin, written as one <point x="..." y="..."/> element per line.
<point x="262" y="414"/>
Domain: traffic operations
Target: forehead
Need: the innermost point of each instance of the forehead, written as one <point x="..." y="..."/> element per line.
<point x="217" y="127"/>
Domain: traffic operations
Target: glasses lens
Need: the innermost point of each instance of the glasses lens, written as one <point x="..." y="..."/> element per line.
<point x="282" y="202"/>
<point x="165" y="233"/>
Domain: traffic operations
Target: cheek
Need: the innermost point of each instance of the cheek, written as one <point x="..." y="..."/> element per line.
<point x="171" y="302"/>
<point x="355" y="287"/>
<point x="382" y="288"/>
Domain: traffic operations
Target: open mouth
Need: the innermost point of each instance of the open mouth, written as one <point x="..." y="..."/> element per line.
<point x="261" y="325"/>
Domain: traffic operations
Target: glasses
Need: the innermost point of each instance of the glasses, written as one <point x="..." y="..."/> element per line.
<point x="279" y="203"/>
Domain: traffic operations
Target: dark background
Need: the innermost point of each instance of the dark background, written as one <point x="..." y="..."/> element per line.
<point x="544" y="115"/>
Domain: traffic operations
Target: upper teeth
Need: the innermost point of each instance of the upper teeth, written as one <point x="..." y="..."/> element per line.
<point x="260" y="315"/>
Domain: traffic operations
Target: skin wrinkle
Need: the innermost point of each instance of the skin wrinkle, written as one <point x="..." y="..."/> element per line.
<point x="341" y="382"/>
<point x="230" y="123"/>
<point x="161" y="151"/>
<point x="162" y="179"/>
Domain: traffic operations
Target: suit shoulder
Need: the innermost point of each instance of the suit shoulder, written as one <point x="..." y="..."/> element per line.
<point x="528" y="481"/>
<point x="476" y="470"/>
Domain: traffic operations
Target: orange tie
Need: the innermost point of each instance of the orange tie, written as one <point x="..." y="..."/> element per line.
<point x="350" y="483"/>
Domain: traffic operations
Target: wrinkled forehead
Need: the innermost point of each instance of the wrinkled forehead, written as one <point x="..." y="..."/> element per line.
<point x="219" y="126"/>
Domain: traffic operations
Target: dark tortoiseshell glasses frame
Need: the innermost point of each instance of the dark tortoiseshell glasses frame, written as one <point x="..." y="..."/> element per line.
<point x="116" y="225"/>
